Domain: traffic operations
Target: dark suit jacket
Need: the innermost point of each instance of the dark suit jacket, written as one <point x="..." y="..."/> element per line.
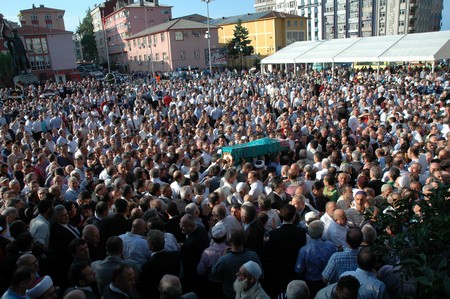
<point x="255" y="237"/>
<point x="317" y="203"/>
<point x="190" y="254"/>
<point x="160" y="264"/>
<point x="281" y="254"/>
<point x="376" y="186"/>
<point x="114" y="225"/>
<point x="277" y="201"/>
<point x="60" y="237"/>
<point x="173" y="226"/>
<point x="108" y="293"/>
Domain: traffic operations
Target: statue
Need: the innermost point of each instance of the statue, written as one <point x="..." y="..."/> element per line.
<point x="16" y="48"/>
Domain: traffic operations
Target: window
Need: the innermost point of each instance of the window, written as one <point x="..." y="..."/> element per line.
<point x="140" y="58"/>
<point x="49" y="26"/>
<point x="294" y="36"/>
<point x="164" y="56"/>
<point x="44" y="45"/>
<point x="289" y="23"/>
<point x="34" y="17"/>
<point x="155" y="39"/>
<point x="162" y="37"/>
<point x="295" y="23"/>
<point x="47" y="17"/>
<point x="178" y="35"/>
<point x="197" y="54"/>
<point x="37" y="48"/>
<point x="157" y="57"/>
<point x="182" y="55"/>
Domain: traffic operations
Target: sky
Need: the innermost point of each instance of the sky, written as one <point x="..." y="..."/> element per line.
<point x="76" y="10"/>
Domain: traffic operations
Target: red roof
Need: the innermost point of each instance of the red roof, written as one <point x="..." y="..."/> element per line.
<point x="34" y="30"/>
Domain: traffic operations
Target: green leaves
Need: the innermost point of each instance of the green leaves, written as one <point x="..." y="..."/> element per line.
<point x="420" y="244"/>
<point x="240" y="46"/>
<point x="86" y="31"/>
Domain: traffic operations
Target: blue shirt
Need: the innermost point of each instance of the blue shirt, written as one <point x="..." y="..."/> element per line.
<point x="135" y="248"/>
<point x="313" y="258"/>
<point x="371" y="287"/>
<point x="339" y="263"/>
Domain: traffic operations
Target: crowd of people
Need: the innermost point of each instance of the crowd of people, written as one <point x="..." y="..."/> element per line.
<point x="121" y="190"/>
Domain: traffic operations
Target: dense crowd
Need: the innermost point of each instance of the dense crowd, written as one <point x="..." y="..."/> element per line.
<point x="120" y="189"/>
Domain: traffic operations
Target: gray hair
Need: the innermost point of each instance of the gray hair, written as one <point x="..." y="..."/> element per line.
<point x="297" y="289"/>
<point x="185" y="191"/>
<point x="59" y="209"/>
<point x="315" y="229"/>
<point x="191" y="208"/>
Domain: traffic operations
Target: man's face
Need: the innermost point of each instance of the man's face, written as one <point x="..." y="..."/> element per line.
<point x="242" y="281"/>
<point x="360" y="201"/>
<point x="299" y="205"/>
<point x="83" y="252"/>
<point x="343" y="293"/>
<point x="127" y="281"/>
<point x="62" y="217"/>
<point x="186" y="226"/>
<point x="89" y="275"/>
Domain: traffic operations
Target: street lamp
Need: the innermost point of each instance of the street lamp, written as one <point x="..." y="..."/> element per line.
<point x="149" y="41"/>
<point x="240" y="49"/>
<point x="208" y="36"/>
<point x="102" y="6"/>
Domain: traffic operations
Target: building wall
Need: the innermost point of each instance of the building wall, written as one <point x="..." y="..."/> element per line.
<point x="168" y="53"/>
<point x="311" y="9"/>
<point x="267" y="35"/>
<point x="122" y="24"/>
<point x="352" y="18"/>
<point x="41" y="17"/>
<point x="61" y="51"/>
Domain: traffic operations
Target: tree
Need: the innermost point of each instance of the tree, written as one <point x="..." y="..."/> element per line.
<point x="6" y="72"/>
<point x="86" y="31"/>
<point x="416" y="235"/>
<point x="240" y="46"/>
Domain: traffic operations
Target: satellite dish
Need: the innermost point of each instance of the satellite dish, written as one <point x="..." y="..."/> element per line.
<point x="110" y="78"/>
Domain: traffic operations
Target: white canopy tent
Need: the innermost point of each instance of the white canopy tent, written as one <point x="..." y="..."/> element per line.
<point x="429" y="46"/>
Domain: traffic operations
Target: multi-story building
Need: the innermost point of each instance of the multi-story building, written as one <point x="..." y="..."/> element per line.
<point x="42" y="16"/>
<point x="50" y="48"/>
<point x="50" y="52"/>
<point x="175" y="44"/>
<point x="409" y="16"/>
<point x="269" y="31"/>
<point x="328" y="19"/>
<point x="117" y="20"/>
<point x="310" y="9"/>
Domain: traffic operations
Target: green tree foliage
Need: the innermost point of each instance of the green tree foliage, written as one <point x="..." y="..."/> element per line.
<point x="86" y="31"/>
<point x="419" y="241"/>
<point x="6" y="72"/>
<point x="240" y="44"/>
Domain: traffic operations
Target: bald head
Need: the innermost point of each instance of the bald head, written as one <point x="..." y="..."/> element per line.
<point x="170" y="287"/>
<point x="330" y="207"/>
<point x="220" y="212"/>
<point x="28" y="260"/>
<point x="91" y="234"/>
<point x="139" y="227"/>
<point x="340" y="217"/>
<point x="75" y="294"/>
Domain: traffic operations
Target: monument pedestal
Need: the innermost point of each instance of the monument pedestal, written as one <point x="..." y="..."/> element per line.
<point x="24" y="79"/>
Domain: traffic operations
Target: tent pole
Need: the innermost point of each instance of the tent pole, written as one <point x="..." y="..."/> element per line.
<point x="378" y="70"/>
<point x="432" y="66"/>
<point x="295" y="69"/>
<point x="332" y="69"/>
